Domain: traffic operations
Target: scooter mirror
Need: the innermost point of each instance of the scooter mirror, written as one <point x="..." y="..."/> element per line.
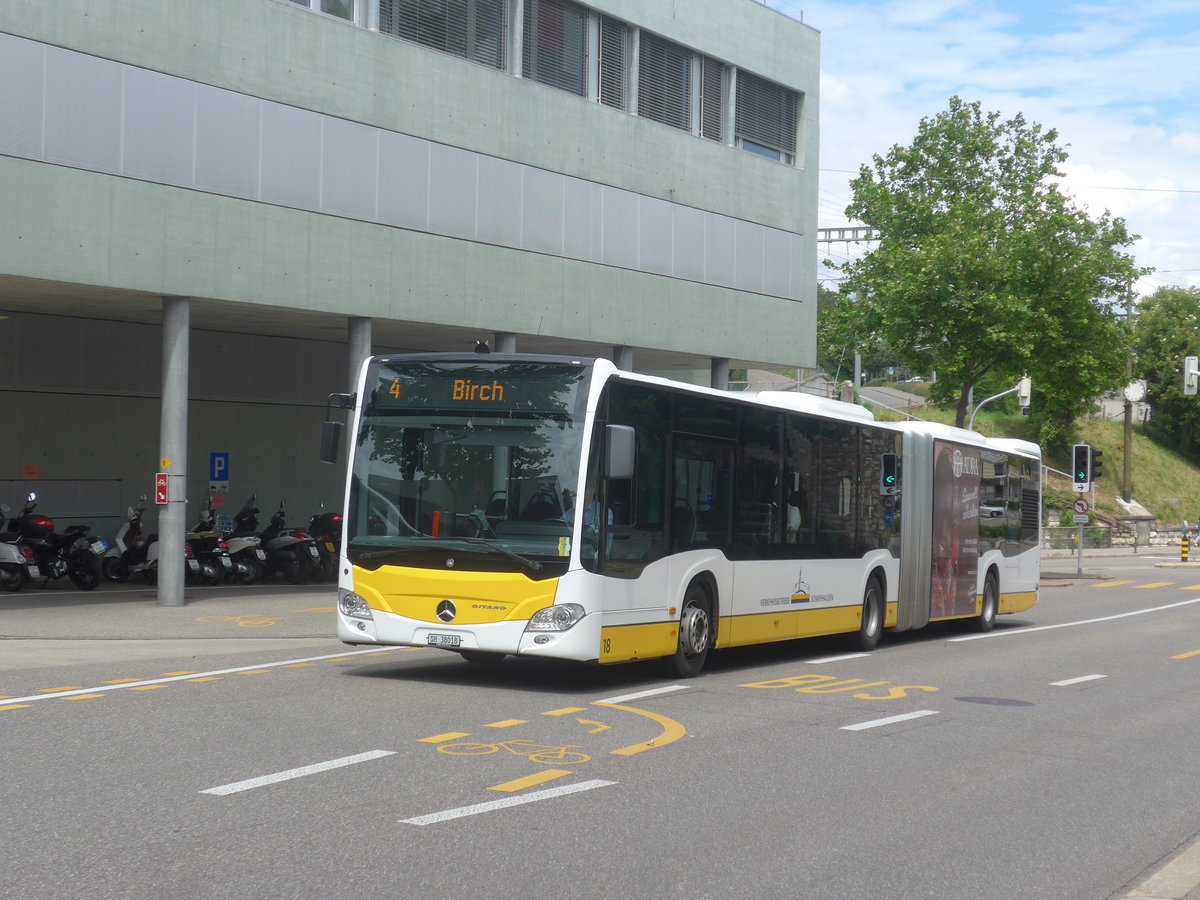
<point x="32" y="496"/>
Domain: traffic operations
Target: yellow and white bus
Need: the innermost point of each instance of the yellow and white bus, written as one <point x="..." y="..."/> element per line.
<point x="558" y="507"/>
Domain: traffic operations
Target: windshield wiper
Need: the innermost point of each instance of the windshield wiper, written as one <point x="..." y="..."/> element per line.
<point x="504" y="551"/>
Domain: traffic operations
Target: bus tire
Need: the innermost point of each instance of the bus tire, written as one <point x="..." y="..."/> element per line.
<point x="695" y="632"/>
<point x="986" y="619"/>
<point x="870" y="629"/>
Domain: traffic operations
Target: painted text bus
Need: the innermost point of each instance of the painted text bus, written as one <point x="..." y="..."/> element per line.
<point x="559" y="507"/>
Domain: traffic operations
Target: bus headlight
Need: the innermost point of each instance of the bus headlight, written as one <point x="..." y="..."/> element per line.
<point x="559" y="617"/>
<point x="353" y="605"/>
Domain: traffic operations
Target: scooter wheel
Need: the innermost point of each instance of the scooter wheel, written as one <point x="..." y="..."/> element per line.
<point x="114" y="569"/>
<point x="11" y="578"/>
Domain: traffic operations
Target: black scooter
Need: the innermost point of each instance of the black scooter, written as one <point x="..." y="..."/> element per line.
<point x="72" y="553"/>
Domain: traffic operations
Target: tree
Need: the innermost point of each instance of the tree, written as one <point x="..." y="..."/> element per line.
<point x="984" y="267"/>
<point x="1166" y="330"/>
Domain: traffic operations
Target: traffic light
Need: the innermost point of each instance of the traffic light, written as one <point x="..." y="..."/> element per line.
<point x="887" y="475"/>
<point x="1096" y="463"/>
<point x="1081" y="465"/>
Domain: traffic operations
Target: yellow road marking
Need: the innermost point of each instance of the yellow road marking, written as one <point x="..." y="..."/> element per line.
<point x="121" y="681"/>
<point x="298" y="665"/>
<point x="1186" y="655"/>
<point x="506" y="723"/>
<point x="1154" y="584"/>
<point x="69" y="687"/>
<point x="176" y="674"/>
<point x="448" y="736"/>
<point x="530" y="780"/>
<point x="84" y="697"/>
<point x="315" y="609"/>
<point x="600" y="726"/>
<point x="254" y="672"/>
<point x="565" y="711"/>
<point x="1105" y="584"/>
<point x="1191" y="587"/>
<point x="148" y="687"/>
<point x="15" y="706"/>
<point x="339" y="659"/>
<point x="209" y="678"/>
<point x="672" y="730"/>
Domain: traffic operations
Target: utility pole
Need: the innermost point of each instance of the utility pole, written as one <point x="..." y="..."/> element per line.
<point x="1127" y="480"/>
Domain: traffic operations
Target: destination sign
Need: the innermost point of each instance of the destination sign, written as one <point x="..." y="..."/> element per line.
<point x="524" y="387"/>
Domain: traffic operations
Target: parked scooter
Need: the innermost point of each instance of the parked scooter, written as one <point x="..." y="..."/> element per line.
<point x="245" y="547"/>
<point x="15" y="558"/>
<point x="290" y="552"/>
<point x="132" y="552"/>
<point x="326" y="530"/>
<point x="72" y="554"/>
<point x="210" y="550"/>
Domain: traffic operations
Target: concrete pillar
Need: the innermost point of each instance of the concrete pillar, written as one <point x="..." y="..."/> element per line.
<point x="358" y="341"/>
<point x="172" y="442"/>
<point x="504" y="342"/>
<point x="623" y="357"/>
<point x="720" y="373"/>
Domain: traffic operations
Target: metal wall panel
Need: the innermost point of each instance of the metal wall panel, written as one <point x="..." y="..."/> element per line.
<point x="655" y="235"/>
<point x="777" y="262"/>
<point x="720" y="261"/>
<point x="227" y="142"/>
<point x="750" y="251"/>
<point x="349" y="169"/>
<point x="688" y="226"/>
<point x="22" y="88"/>
<point x="500" y="185"/>
<point x="159" y="127"/>
<point x="541" y="211"/>
<point x="83" y="111"/>
<point x="581" y="200"/>
<point x="290" y="169"/>
<point x="619" y="224"/>
<point x="453" y="182"/>
<point x="404" y="180"/>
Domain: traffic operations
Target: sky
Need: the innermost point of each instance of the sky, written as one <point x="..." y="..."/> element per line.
<point x="1120" y="82"/>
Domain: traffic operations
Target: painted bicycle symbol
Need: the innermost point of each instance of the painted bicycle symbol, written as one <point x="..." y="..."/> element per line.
<point x="539" y="753"/>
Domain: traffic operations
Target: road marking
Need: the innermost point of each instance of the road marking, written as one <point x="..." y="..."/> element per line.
<point x="493" y="805"/>
<point x="14" y="706"/>
<point x="85" y="697"/>
<point x="671" y="730"/>
<point x="1154" y="584"/>
<point x="263" y="780"/>
<point x="1108" y="584"/>
<point x="55" y="693"/>
<point x="1186" y="655"/>
<point x="507" y="723"/>
<point x="520" y="784"/>
<point x="1191" y="587"/>
<point x="830" y="659"/>
<point x="638" y="696"/>
<point x="1080" y="680"/>
<point x="1136" y="612"/>
<point x="565" y="711"/>
<point x="441" y="738"/>
<point x="890" y="720"/>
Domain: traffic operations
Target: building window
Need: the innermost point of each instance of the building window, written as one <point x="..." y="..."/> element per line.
<point x="665" y="82"/>
<point x="765" y="122"/>
<point x="343" y="9"/>
<point x="613" y="62"/>
<point x="555" y="44"/>
<point x="712" y="99"/>
<point x="473" y="29"/>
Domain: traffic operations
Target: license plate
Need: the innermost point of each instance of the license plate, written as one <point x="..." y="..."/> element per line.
<point x="226" y="562"/>
<point x="98" y="547"/>
<point x="443" y="640"/>
<point x="313" y="552"/>
<point x="35" y="572"/>
<point x="329" y="546"/>
<point x="261" y="554"/>
<point x="194" y="565"/>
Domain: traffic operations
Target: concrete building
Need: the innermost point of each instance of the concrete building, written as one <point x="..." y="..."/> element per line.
<point x="214" y="208"/>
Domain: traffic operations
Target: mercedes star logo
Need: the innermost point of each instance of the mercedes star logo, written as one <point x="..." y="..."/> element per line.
<point x="446" y="611"/>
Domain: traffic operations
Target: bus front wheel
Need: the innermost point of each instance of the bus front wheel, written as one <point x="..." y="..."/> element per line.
<point x="871" y="627"/>
<point x="695" y="632"/>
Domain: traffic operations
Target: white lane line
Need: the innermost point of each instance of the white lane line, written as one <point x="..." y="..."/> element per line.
<point x="1079" y="680"/>
<point x="638" y="696"/>
<point x="492" y="805"/>
<point x="132" y="684"/>
<point x="1136" y="612"/>
<point x="876" y="723"/>
<point x="297" y="773"/>
<point x="832" y="659"/>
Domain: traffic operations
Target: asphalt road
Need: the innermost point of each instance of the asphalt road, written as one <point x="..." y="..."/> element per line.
<point x="1055" y="758"/>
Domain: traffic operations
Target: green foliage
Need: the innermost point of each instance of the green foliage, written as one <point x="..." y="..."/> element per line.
<point x="1166" y="330"/>
<point x="984" y="270"/>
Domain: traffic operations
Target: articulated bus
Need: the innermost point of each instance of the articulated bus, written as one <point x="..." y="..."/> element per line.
<point x="557" y="507"/>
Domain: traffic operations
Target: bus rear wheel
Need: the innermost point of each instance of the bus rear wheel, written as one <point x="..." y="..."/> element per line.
<point x="986" y="620"/>
<point x="695" y="632"/>
<point x="870" y="630"/>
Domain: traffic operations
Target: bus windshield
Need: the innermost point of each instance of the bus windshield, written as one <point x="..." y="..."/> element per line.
<point x="478" y="457"/>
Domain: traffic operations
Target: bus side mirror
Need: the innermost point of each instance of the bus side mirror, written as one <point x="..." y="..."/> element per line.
<point x="620" y="451"/>
<point x="331" y="439"/>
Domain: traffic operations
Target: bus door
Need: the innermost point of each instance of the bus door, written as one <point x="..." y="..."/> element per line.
<point x="702" y="493"/>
